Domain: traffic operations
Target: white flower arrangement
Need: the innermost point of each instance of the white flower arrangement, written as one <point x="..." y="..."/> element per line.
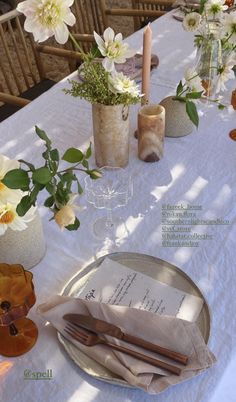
<point x="46" y="18"/>
<point x="192" y="21"/>
<point x="9" y="199"/>
<point x="212" y="14"/>
<point x="113" y="49"/>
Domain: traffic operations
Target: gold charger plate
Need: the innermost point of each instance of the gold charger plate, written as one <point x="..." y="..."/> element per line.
<point x="155" y="268"/>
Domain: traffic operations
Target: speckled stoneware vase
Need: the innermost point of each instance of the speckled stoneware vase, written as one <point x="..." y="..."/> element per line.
<point x="26" y="247"/>
<point x="178" y="124"/>
<point x="111" y="135"/>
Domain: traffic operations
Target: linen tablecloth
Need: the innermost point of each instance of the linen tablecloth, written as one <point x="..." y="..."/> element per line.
<point x="198" y="170"/>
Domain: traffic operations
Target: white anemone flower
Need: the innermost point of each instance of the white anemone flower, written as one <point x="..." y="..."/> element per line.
<point x="7" y="194"/>
<point x="120" y="83"/>
<point x="10" y="219"/>
<point x="226" y="73"/>
<point x="113" y="49"/>
<point x="230" y="27"/>
<point x="45" y="18"/>
<point x="191" y="21"/>
<point x="193" y="81"/>
<point x="215" y="8"/>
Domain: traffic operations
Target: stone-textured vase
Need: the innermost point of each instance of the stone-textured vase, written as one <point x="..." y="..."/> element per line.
<point x="178" y="124"/>
<point x="111" y="135"/>
<point x="26" y="247"/>
<point x="151" y="132"/>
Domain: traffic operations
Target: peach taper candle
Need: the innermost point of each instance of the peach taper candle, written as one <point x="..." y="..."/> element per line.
<point x="147" y="54"/>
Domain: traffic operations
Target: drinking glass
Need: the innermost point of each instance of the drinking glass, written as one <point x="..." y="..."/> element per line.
<point x="111" y="191"/>
<point x="18" y="334"/>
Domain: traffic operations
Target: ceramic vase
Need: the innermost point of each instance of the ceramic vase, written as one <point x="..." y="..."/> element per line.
<point x="26" y="247"/>
<point x="111" y="135"/>
<point x="178" y="124"/>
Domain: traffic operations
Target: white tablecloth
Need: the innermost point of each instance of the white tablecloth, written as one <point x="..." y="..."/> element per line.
<point x="197" y="169"/>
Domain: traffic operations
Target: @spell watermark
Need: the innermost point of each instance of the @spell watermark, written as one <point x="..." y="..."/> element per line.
<point x="37" y="375"/>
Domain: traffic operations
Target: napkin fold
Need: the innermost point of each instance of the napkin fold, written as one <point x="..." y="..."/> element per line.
<point x="170" y="332"/>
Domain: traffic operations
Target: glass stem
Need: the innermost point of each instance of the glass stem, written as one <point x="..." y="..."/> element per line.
<point x="109" y="222"/>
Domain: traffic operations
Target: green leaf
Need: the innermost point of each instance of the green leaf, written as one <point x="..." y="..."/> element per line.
<point x="85" y="164"/>
<point x="89" y="151"/>
<point x="202" y="6"/>
<point x="179" y="98"/>
<point x="50" y="188"/>
<point x="52" y="166"/>
<point x="43" y="136"/>
<point x="73" y="155"/>
<point x="42" y="175"/>
<point x="24" y="205"/>
<point x="34" y="193"/>
<point x="80" y="189"/>
<point x="54" y="155"/>
<point x="179" y="88"/>
<point x="74" y="226"/>
<point x="68" y="176"/>
<point x="221" y="106"/>
<point x="192" y="112"/>
<point x="194" y="95"/>
<point x="49" y="201"/>
<point x="30" y="166"/>
<point x="17" y="179"/>
<point x="45" y="155"/>
<point x="95" y="52"/>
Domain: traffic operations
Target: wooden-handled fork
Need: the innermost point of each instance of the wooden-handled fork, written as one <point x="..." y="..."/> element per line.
<point x="89" y="338"/>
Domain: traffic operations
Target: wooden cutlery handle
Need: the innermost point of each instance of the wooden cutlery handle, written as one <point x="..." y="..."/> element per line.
<point x="156" y="348"/>
<point x="147" y="359"/>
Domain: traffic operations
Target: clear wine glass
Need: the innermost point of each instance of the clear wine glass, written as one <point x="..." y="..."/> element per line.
<point x="111" y="191"/>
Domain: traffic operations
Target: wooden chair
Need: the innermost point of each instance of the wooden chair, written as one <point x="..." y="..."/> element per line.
<point x="90" y="16"/>
<point x="22" y="75"/>
<point x="142" y="11"/>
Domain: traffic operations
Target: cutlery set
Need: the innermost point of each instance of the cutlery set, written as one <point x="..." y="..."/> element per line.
<point x="87" y="330"/>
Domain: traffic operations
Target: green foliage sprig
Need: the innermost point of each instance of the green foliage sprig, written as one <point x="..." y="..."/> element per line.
<point x="94" y="86"/>
<point x="184" y="94"/>
<point x="57" y="183"/>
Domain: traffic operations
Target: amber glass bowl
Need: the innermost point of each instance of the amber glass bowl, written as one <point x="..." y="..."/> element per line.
<point x="18" y="334"/>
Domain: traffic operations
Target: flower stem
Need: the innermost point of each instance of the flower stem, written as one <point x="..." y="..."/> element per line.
<point x="78" y="47"/>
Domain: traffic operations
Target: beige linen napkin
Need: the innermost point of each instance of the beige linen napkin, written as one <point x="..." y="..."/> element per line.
<point x="179" y="335"/>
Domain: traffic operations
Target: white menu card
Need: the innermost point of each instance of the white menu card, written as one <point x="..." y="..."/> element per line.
<point x="116" y="284"/>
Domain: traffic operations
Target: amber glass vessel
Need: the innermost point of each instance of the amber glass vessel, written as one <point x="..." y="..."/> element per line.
<point x="18" y="334"/>
<point x="229" y="3"/>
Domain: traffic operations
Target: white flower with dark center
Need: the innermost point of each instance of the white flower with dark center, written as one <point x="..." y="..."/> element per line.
<point x="113" y="49"/>
<point x="215" y="8"/>
<point x="120" y="83"/>
<point x="192" y="21"/>
<point x="7" y="194"/>
<point x="226" y="73"/>
<point x="10" y="219"/>
<point x="230" y="27"/>
<point x="45" y="18"/>
<point x="193" y="81"/>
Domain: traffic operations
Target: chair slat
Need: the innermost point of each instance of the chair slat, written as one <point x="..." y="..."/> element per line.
<point x="19" y="58"/>
<point x="11" y="64"/>
<point x="24" y="45"/>
<point x="5" y="76"/>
